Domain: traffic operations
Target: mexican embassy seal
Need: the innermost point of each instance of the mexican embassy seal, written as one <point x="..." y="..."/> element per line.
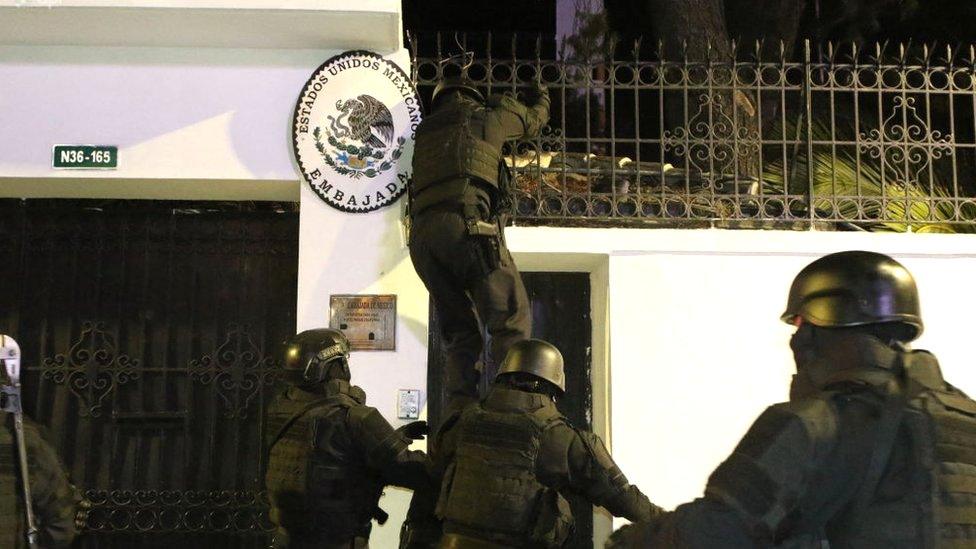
<point x="353" y="131"/>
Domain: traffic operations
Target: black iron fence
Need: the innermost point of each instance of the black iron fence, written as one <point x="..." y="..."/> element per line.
<point x="879" y="138"/>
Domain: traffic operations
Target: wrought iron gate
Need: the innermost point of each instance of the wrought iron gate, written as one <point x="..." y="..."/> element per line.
<point x="150" y="333"/>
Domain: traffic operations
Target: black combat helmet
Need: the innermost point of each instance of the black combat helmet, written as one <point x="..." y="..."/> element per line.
<point x="855" y="288"/>
<point x="312" y="352"/>
<point x="538" y="358"/>
<point x="460" y="83"/>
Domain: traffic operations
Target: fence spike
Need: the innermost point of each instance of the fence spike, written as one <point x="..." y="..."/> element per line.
<point x="514" y="47"/>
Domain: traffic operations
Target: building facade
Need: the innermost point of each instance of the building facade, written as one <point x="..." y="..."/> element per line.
<point x="682" y="346"/>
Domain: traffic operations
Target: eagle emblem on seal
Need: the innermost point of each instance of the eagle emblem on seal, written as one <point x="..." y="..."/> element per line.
<point x="358" y="140"/>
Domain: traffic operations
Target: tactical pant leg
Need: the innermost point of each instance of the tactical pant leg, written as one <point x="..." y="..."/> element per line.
<point x="446" y="260"/>
<point x="422" y="529"/>
<point x="503" y="305"/>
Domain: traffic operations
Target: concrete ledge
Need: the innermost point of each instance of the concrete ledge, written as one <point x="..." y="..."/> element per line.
<point x="298" y="24"/>
<point x="152" y="189"/>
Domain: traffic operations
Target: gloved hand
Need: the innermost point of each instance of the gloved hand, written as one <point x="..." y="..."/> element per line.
<point x="415" y="430"/>
<point x="81" y="514"/>
<point x="623" y="538"/>
<point x="534" y="94"/>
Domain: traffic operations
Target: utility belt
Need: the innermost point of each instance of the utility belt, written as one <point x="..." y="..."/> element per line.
<point x="485" y="230"/>
<point x="450" y="192"/>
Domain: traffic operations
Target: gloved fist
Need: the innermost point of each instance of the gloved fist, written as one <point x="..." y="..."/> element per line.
<point x="415" y="430"/>
<point x="535" y="93"/>
<point x="81" y="514"/>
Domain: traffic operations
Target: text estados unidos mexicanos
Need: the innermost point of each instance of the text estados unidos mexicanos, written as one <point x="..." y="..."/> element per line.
<point x="390" y="72"/>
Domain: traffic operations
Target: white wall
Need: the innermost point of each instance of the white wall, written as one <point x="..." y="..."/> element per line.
<point x="174" y="113"/>
<point x="697" y="350"/>
<point x="278" y="24"/>
<point x="197" y="94"/>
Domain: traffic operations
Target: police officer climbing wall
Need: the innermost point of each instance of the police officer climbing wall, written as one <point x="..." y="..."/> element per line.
<point x="330" y="454"/>
<point x="458" y="198"/>
<point x="874" y="448"/>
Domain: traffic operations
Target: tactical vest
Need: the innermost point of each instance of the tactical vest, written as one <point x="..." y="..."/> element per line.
<point x="930" y="503"/>
<point x="937" y="506"/>
<point x="11" y="524"/>
<point x="450" y="145"/>
<point x="490" y="491"/>
<point x="952" y="421"/>
<point x="318" y="493"/>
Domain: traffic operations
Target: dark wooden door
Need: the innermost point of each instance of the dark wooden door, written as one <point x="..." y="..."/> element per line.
<point x="560" y="315"/>
<point x="150" y="335"/>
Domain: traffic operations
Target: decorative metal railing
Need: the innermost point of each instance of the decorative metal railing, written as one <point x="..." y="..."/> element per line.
<point x="879" y="138"/>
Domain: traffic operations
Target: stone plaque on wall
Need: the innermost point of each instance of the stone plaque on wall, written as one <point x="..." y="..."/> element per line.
<point x="369" y="321"/>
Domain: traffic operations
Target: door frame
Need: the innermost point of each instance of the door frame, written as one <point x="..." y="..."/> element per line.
<point x="597" y="265"/>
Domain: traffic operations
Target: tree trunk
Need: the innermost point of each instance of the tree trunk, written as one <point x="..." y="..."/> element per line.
<point x="697" y="22"/>
<point x="726" y="146"/>
<point x="769" y="22"/>
<point x="775" y="26"/>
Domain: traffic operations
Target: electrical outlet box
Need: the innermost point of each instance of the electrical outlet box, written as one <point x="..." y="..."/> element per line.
<point x="408" y="404"/>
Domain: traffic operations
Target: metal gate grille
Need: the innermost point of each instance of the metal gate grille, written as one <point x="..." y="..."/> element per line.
<point x="150" y="333"/>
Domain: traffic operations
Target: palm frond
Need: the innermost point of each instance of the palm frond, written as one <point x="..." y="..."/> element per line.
<point x="859" y="187"/>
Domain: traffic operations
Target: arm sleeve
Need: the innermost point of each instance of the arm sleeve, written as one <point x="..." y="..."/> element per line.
<point x="763" y="490"/>
<point x="515" y="119"/>
<point x="55" y="500"/>
<point x="584" y="466"/>
<point x="701" y="524"/>
<point x="386" y="450"/>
